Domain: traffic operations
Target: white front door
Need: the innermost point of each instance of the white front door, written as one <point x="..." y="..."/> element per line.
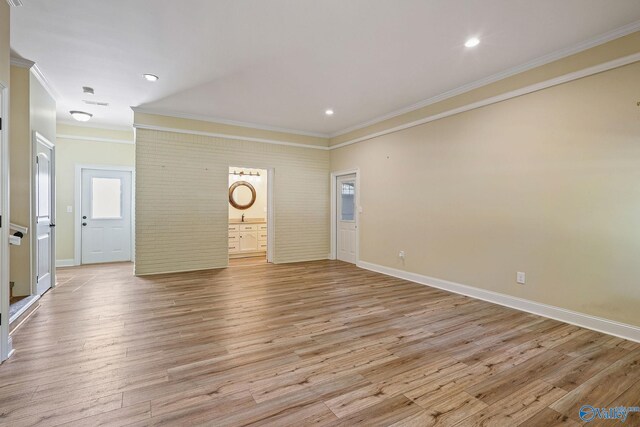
<point x="106" y="216"/>
<point x="346" y="220"/>
<point x="44" y="214"/>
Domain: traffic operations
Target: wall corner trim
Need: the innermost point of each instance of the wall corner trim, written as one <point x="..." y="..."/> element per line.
<point x="609" y="327"/>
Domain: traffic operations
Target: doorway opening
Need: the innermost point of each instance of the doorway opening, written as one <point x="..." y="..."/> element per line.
<point x="249" y="219"/>
<point x="345" y="210"/>
<point x="104" y="214"/>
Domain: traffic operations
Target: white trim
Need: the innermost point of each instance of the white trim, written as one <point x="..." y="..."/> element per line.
<point x="598" y="324"/>
<point x="95" y="139"/>
<point x="227" y="136"/>
<point x="65" y="262"/>
<point x="21" y="62"/>
<point x="77" y="218"/>
<point x="94" y="125"/>
<point x="32" y="300"/>
<point x="35" y="70"/>
<point x="5" y="341"/>
<point x="222" y="121"/>
<point x="546" y="59"/>
<point x="37" y="137"/>
<point x="503" y="97"/>
<point x="333" y="182"/>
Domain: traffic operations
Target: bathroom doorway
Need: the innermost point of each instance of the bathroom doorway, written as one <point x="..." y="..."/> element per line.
<point x="249" y="219"/>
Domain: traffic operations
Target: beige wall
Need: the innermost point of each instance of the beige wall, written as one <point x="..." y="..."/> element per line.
<point x="547" y="183"/>
<point x="72" y="150"/>
<point x="182" y="199"/>
<point x="32" y="110"/>
<point x="259" y="207"/>
<point x="20" y="177"/>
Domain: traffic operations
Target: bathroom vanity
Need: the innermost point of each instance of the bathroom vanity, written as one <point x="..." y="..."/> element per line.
<point x="247" y="238"/>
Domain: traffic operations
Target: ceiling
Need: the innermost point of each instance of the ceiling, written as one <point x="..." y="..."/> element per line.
<point x="282" y="63"/>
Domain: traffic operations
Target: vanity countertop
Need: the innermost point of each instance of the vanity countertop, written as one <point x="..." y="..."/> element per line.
<point x="247" y="221"/>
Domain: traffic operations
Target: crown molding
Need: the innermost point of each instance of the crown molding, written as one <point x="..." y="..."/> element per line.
<point x="94" y="139"/>
<point x="219" y="120"/>
<point x="554" y="56"/>
<point x="21" y="62"/>
<point x="45" y="83"/>
<point x="90" y="125"/>
<point x="228" y="136"/>
<point x="37" y="73"/>
<point x="503" y="97"/>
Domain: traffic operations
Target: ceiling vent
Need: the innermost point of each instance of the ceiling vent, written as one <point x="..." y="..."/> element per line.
<point x="100" y="104"/>
<point x="87" y="89"/>
<point x="15" y="3"/>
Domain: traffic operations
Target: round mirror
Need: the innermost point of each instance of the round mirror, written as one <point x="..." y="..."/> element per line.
<point x="242" y="195"/>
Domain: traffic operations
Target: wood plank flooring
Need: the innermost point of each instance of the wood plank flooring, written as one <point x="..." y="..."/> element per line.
<point x="317" y="343"/>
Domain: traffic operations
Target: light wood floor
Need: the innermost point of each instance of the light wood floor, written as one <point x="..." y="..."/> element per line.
<point x="320" y="343"/>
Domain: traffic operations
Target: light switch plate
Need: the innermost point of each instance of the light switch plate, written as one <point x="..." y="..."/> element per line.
<point x="69" y="209"/>
<point x="520" y="277"/>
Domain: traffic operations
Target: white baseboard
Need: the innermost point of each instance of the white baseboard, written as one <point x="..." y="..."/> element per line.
<point x="65" y="262"/>
<point x="610" y="327"/>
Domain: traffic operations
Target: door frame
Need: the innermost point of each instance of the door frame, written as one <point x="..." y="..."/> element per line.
<point x="77" y="217"/>
<point x="39" y="138"/>
<point x="270" y="208"/>
<point x="5" y="346"/>
<point x="334" y="211"/>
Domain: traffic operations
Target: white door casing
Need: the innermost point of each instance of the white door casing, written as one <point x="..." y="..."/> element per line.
<point x="44" y="213"/>
<point x="5" y="346"/>
<point x="346" y="218"/>
<point x="106" y="217"/>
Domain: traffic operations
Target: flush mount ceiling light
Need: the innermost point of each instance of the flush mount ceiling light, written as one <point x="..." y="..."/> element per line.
<point x="151" y="77"/>
<point x="329" y="112"/>
<point x="472" y="42"/>
<point x="81" y="116"/>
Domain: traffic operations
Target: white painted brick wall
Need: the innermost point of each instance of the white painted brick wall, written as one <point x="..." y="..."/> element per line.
<point x="182" y="200"/>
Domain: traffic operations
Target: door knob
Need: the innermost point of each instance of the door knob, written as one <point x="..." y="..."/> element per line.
<point x="84" y="217"/>
<point x="84" y="224"/>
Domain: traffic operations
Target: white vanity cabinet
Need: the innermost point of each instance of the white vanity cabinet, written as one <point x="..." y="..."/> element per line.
<point x="247" y="239"/>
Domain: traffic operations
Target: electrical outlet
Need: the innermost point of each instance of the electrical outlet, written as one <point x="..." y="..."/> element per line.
<point x="401" y="254"/>
<point x="520" y="277"/>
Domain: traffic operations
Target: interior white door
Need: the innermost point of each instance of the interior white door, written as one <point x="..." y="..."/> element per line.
<point x="346" y="220"/>
<point x="44" y="214"/>
<point x="106" y="216"/>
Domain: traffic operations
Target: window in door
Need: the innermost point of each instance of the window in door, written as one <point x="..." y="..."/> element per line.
<point x="106" y="200"/>
<point x="348" y="202"/>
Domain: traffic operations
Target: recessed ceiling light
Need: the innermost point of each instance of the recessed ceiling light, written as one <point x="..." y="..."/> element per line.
<point x="329" y="112"/>
<point x="81" y="116"/>
<point x="472" y="42"/>
<point x="151" y="77"/>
